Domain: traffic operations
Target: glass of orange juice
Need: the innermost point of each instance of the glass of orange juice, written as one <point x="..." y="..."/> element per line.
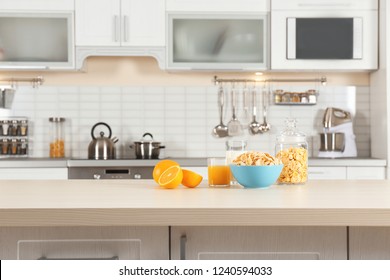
<point x="218" y="172"/>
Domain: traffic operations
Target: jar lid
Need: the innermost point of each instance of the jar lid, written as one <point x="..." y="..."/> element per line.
<point x="290" y="133"/>
<point x="56" y="119"/>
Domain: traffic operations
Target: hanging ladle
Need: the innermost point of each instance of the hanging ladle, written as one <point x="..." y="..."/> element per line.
<point x="220" y="130"/>
<point x="254" y="126"/>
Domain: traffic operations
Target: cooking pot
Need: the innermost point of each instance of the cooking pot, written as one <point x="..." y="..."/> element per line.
<point x="102" y="147"/>
<point x="147" y="149"/>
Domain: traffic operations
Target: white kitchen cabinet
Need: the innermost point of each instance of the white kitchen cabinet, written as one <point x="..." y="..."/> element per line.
<point x="327" y="173"/>
<point x="369" y="243"/>
<point x="124" y="243"/>
<point x="218" y="5"/>
<point x="370" y="173"/>
<point x="37" y="5"/>
<point x="120" y="23"/>
<point x="346" y="172"/>
<point x="257" y="243"/>
<point x="59" y="173"/>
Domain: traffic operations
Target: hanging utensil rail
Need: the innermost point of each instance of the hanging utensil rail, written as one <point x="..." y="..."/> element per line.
<point x="35" y="82"/>
<point x="321" y="80"/>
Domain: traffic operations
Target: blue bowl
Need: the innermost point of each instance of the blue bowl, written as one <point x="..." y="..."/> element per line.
<point x="256" y="176"/>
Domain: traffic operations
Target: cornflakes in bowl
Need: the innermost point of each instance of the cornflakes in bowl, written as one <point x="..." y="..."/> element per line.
<point x="256" y="169"/>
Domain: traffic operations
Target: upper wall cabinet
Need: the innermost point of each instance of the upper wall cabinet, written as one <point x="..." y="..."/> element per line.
<point x="120" y="23"/>
<point x="218" y="5"/>
<point x="35" y="5"/>
<point x="36" y="40"/>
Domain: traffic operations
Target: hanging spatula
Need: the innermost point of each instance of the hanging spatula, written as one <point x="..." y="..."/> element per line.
<point x="234" y="126"/>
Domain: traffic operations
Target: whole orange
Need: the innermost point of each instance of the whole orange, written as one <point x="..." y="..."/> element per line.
<point x="161" y="166"/>
<point x="191" y="179"/>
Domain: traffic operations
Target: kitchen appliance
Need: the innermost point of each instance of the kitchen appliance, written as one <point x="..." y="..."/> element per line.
<point x="145" y="149"/>
<point x="310" y="34"/>
<point x="208" y="41"/>
<point x="338" y="139"/>
<point x="110" y="169"/>
<point x="102" y="147"/>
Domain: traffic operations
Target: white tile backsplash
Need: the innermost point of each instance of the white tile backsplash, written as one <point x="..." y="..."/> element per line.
<point x="182" y="118"/>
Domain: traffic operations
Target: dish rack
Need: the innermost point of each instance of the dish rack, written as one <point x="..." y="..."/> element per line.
<point x="14" y="137"/>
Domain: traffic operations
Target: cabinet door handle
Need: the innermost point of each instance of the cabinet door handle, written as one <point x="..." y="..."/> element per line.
<point x="126" y="28"/>
<point x="51" y="259"/>
<point x="183" y="242"/>
<point x="116" y="28"/>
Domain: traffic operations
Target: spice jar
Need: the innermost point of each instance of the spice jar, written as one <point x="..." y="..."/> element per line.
<point x="23" y="146"/>
<point x="23" y="127"/>
<point x="4" y="146"/>
<point x="13" y="128"/>
<point x="14" y="146"/>
<point x="286" y="97"/>
<point x="295" y="97"/>
<point x="57" y="141"/>
<point x="291" y="148"/>
<point x="312" y="96"/>
<point x="278" y="95"/>
<point x="5" y="126"/>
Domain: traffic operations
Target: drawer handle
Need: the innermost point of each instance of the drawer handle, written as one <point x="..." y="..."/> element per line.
<point x="183" y="241"/>
<point x="78" y="259"/>
<point x="316" y="172"/>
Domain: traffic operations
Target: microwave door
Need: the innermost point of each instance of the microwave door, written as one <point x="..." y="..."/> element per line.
<point x="324" y="38"/>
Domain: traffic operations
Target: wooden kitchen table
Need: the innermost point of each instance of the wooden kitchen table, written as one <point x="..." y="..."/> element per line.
<point x="142" y="202"/>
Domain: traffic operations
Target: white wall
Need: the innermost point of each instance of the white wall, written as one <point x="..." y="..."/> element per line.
<point x="181" y="117"/>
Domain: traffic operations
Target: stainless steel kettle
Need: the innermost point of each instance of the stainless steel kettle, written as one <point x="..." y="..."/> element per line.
<point x="102" y="147"/>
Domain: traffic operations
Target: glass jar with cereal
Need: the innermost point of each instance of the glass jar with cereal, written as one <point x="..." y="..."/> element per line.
<point x="291" y="148"/>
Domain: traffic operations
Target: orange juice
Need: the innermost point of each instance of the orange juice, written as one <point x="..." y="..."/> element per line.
<point x="219" y="175"/>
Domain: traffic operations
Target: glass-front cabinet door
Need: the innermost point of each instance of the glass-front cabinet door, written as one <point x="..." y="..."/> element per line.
<point x="36" y="41"/>
<point x="222" y="42"/>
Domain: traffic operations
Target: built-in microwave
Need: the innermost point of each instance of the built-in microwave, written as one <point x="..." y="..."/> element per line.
<point x="30" y="41"/>
<point x="339" y="35"/>
<point x="224" y="41"/>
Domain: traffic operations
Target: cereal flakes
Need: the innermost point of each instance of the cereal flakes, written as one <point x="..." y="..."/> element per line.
<point x="295" y="165"/>
<point x="256" y="158"/>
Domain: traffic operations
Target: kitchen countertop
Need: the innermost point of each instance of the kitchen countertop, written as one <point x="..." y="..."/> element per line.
<point x="48" y="163"/>
<point x="142" y="202"/>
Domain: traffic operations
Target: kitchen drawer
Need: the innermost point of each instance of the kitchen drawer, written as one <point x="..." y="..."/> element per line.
<point x="327" y="173"/>
<point x="78" y="242"/>
<point x="34" y="173"/>
<point x="258" y="243"/>
<point x="372" y="173"/>
<point x="99" y="249"/>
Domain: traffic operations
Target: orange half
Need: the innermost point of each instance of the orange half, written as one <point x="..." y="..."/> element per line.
<point x="191" y="179"/>
<point x="161" y="166"/>
<point x="171" y="177"/>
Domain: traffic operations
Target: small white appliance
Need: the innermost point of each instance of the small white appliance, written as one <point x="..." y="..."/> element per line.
<point x="338" y="139"/>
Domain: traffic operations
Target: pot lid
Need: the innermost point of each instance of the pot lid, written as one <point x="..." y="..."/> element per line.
<point x="143" y="141"/>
